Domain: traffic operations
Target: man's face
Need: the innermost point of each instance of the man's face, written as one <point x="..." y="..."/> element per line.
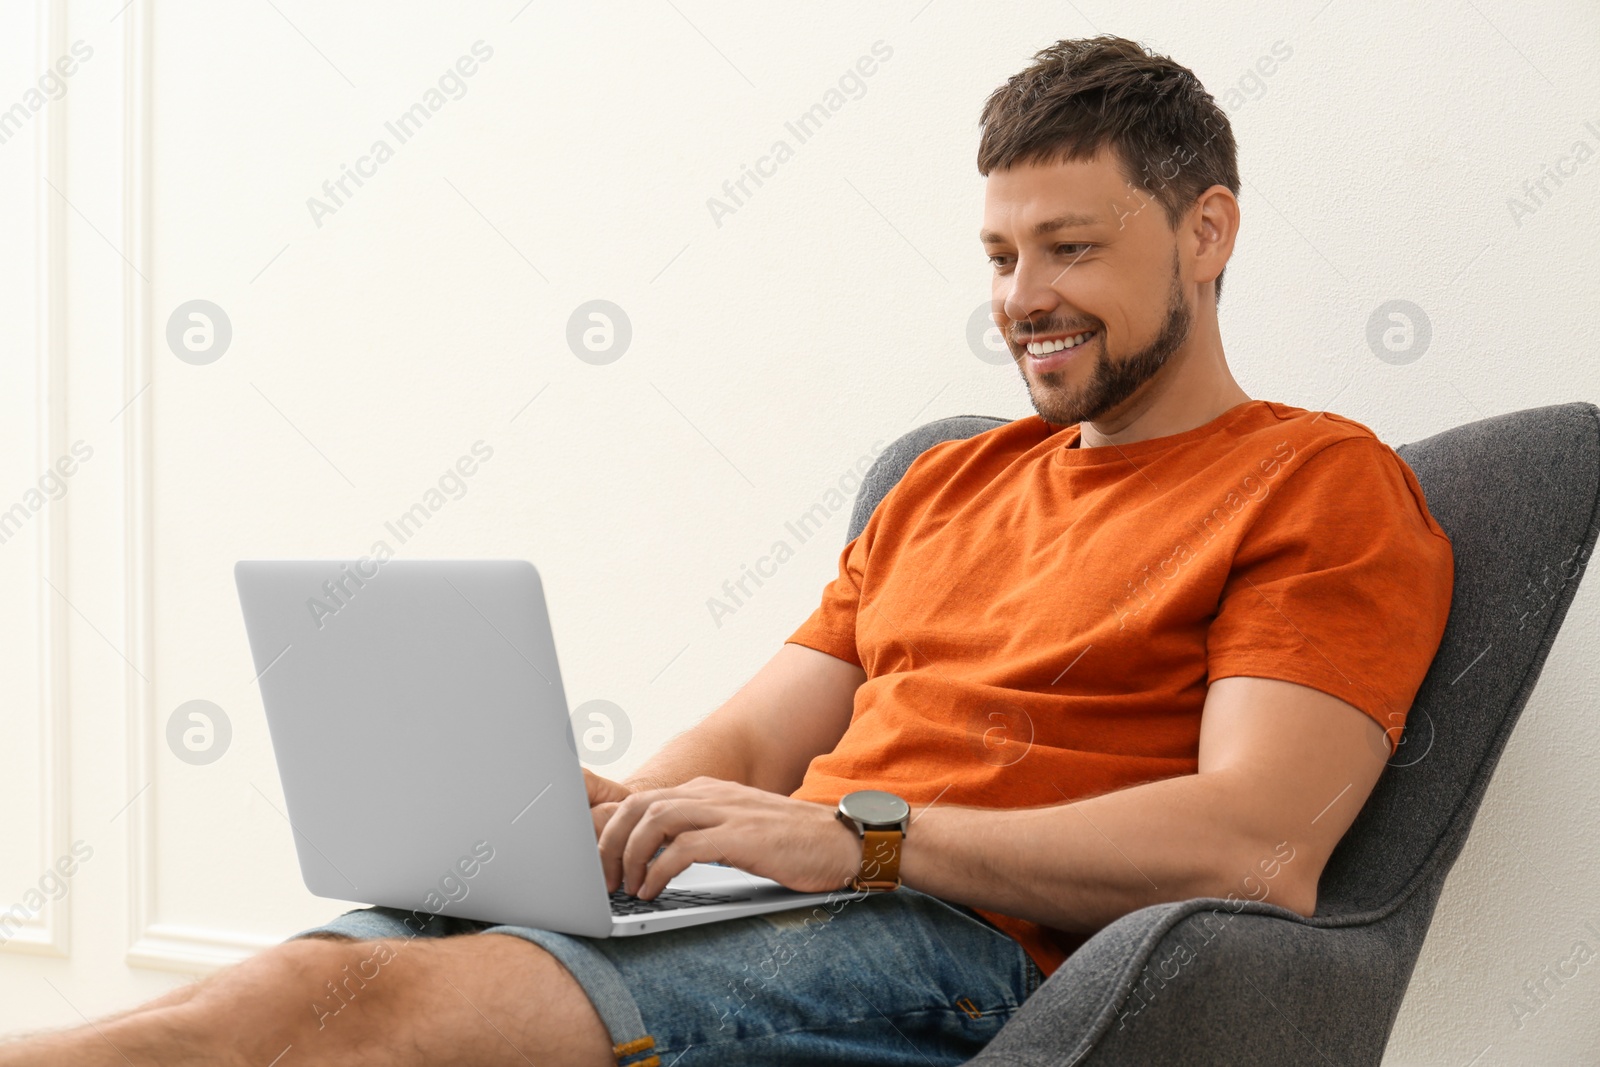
<point x="1078" y="250"/>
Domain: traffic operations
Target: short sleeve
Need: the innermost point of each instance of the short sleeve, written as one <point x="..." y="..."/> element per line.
<point x="1342" y="584"/>
<point x="831" y="628"/>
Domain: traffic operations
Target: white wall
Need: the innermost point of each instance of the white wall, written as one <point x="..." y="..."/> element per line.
<point x="771" y="348"/>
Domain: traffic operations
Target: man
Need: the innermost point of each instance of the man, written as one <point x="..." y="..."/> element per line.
<point x="1155" y="642"/>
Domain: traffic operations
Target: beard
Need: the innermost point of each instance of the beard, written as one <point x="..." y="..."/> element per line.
<point x="1110" y="381"/>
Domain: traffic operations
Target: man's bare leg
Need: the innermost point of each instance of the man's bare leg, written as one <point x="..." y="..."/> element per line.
<point x="477" y="999"/>
<point x="179" y="994"/>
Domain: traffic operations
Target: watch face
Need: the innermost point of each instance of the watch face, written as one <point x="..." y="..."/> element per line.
<point x="874" y="807"/>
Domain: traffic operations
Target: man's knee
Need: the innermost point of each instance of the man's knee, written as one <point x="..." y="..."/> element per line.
<point x="338" y="995"/>
<point x="310" y="990"/>
<point x="297" y="985"/>
<point x="334" y="974"/>
<point x="359" y="984"/>
<point x="437" y="993"/>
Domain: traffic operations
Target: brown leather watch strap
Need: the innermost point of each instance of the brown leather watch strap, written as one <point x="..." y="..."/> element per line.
<point x="880" y="861"/>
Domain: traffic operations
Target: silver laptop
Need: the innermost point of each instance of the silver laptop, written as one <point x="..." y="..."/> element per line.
<point x="427" y="758"/>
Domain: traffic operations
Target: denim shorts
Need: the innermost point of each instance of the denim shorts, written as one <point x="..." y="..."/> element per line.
<point x="882" y="979"/>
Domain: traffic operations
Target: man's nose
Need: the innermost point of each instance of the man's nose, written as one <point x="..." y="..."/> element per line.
<point x="1031" y="293"/>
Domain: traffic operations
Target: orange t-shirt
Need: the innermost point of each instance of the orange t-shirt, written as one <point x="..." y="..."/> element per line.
<point x="1015" y="593"/>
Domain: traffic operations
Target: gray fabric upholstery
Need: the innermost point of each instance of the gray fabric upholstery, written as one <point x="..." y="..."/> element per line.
<point x="1206" y="982"/>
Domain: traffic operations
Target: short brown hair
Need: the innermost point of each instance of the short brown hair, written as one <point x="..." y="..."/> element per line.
<point x="1168" y="133"/>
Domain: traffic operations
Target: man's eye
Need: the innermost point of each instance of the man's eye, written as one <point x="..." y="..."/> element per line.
<point x="1071" y="248"/>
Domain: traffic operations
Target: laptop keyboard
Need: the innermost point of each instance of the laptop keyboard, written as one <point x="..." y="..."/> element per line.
<point x="668" y="899"/>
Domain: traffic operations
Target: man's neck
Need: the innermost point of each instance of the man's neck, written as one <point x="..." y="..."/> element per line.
<point x="1190" y="391"/>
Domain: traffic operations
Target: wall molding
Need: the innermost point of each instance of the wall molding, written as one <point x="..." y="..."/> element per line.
<point x="152" y="943"/>
<point x="137" y="472"/>
<point x="49" y="932"/>
<point x="191" y="949"/>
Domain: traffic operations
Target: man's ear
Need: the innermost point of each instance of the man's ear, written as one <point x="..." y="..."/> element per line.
<point x="1213" y="227"/>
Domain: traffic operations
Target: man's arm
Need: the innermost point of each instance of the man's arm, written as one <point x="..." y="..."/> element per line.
<point x="795" y="708"/>
<point x="1283" y="771"/>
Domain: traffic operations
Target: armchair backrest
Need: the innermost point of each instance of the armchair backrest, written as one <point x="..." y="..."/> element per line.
<point x="1518" y="495"/>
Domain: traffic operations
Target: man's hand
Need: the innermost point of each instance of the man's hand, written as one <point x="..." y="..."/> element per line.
<point x="796" y="843"/>
<point x="604" y="796"/>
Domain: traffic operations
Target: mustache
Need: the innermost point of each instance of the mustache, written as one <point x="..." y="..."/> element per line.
<point x="1046" y="331"/>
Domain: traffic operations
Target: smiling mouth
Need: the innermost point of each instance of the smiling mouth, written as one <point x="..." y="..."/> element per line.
<point x="1044" y="349"/>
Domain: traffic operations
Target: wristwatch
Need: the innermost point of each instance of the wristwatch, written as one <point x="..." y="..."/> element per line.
<point x="881" y="819"/>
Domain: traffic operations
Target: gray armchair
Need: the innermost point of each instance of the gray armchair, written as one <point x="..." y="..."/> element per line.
<point x="1207" y="981"/>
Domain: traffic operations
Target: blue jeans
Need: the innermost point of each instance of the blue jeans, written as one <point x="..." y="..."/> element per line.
<point x="881" y="980"/>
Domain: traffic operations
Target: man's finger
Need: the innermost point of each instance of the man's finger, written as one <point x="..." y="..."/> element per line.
<point x="618" y="829"/>
<point x="662" y="820"/>
<point x="601" y="813"/>
<point x="613" y="836"/>
<point x="603" y="790"/>
<point x="614" y="839"/>
<point x="692" y="847"/>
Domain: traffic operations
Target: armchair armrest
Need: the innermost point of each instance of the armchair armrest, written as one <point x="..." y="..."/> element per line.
<point x="1210" y="981"/>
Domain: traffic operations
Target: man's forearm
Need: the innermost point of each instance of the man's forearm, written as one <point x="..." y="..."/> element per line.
<point x="707" y="748"/>
<point x="1079" y="866"/>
